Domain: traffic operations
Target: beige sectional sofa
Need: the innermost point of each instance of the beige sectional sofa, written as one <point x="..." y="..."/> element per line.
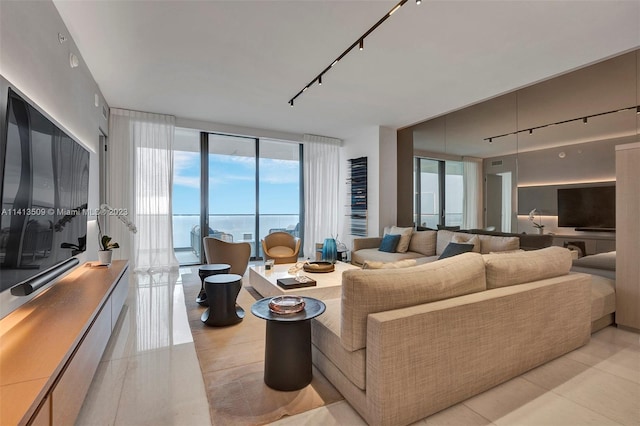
<point x="403" y="344"/>
<point x="427" y="246"/>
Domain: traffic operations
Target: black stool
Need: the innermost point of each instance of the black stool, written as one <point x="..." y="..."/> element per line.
<point x="222" y="292"/>
<point x="206" y="271"/>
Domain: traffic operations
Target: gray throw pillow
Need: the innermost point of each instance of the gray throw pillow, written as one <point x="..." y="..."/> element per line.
<point x="454" y="249"/>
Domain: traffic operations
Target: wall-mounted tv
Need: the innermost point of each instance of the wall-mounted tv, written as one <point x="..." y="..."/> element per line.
<point x="590" y="208"/>
<point x="44" y="192"/>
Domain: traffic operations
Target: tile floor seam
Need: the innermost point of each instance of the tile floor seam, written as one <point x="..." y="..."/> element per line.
<point x="474" y="411"/>
<point x="583" y="406"/>
<point x="126" y="370"/>
<point x="614" y="375"/>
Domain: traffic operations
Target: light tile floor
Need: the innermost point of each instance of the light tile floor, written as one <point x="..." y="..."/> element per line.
<point x="149" y="375"/>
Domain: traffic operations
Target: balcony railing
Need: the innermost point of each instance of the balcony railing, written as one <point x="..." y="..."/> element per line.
<point x="240" y="227"/>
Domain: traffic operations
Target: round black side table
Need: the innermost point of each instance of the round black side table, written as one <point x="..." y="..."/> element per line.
<point x="222" y="292"/>
<point x="287" y="355"/>
<point x="206" y="271"/>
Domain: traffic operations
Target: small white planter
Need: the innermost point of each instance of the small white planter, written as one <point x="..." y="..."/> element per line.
<point x="104" y="257"/>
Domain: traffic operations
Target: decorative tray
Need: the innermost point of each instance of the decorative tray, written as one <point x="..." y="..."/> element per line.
<point x="283" y="305"/>
<point x="319" y="267"/>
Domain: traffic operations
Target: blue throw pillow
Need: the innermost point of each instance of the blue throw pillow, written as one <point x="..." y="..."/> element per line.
<point x="454" y="249"/>
<point x="390" y="242"/>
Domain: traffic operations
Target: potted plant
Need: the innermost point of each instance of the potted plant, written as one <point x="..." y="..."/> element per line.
<point x="538" y="225"/>
<point x="105" y="242"/>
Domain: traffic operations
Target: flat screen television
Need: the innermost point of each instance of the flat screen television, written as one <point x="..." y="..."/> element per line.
<point x="590" y="208"/>
<point x="44" y="192"/>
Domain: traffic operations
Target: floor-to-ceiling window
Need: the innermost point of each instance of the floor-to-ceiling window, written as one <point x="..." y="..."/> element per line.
<point x="235" y="188"/>
<point x="232" y="188"/>
<point x="439" y="192"/>
<point x="186" y="196"/>
<point x="280" y="184"/>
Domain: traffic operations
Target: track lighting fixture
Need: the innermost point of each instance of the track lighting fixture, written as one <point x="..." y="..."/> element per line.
<point x="584" y="120"/>
<point x="359" y="42"/>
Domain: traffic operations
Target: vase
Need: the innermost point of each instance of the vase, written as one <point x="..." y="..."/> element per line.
<point x="330" y="250"/>
<point x="104" y="257"/>
<point x="540" y="231"/>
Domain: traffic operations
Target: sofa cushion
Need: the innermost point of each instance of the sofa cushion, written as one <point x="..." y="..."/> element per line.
<point x="423" y="242"/>
<point x="369" y="291"/>
<point x="603" y="297"/>
<point x="280" y="251"/>
<point x="455" y="249"/>
<point x="405" y="237"/>
<point x="404" y="263"/>
<point x="389" y="243"/>
<point x="467" y="239"/>
<point x="527" y="266"/>
<point x="362" y="255"/>
<point x="325" y="335"/>
<point x="605" y="261"/>
<point x="489" y="243"/>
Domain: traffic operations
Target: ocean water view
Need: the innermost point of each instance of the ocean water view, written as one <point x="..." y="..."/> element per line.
<point x="241" y="227"/>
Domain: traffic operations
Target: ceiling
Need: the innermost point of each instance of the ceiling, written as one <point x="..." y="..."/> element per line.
<point x="239" y="62"/>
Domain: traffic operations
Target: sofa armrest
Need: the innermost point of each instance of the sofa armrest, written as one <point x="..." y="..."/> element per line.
<point x="424" y="358"/>
<point x="365" y="243"/>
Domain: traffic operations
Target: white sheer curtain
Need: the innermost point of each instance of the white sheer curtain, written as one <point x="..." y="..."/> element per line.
<point x="140" y="180"/>
<point x="321" y="180"/>
<point x="472" y="200"/>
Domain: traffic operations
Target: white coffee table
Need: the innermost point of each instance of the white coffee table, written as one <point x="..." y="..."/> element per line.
<point x="328" y="285"/>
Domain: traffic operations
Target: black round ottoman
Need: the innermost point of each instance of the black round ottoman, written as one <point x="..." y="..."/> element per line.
<point x="206" y="271"/>
<point x="222" y="292"/>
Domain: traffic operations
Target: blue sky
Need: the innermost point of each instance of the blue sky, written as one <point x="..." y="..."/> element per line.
<point x="232" y="187"/>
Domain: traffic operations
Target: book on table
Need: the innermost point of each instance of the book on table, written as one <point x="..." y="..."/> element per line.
<point x="287" y="283"/>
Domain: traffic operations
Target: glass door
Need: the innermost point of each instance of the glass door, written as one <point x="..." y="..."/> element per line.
<point x="279" y="177"/>
<point x="231" y="208"/>
<point x="186" y="196"/>
<point x="427" y="190"/>
<point x="454" y="193"/>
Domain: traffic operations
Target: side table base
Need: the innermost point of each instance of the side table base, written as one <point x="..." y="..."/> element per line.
<point x="287" y="365"/>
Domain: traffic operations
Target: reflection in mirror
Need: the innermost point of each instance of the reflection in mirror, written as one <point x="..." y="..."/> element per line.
<point x="499" y="191"/>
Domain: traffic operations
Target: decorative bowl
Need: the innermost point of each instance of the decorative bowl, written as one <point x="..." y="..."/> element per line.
<point x="321" y="266"/>
<point x="283" y="305"/>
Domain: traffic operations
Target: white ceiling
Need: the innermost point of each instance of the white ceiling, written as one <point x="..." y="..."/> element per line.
<point x="239" y="62"/>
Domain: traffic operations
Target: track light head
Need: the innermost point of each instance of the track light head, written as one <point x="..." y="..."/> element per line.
<point x="530" y="131"/>
<point x="320" y="80"/>
<point x="638" y="110"/>
<point x="291" y="103"/>
<point x="584" y="120"/>
<point x="418" y="2"/>
<point x="361" y="43"/>
<point x="490" y="140"/>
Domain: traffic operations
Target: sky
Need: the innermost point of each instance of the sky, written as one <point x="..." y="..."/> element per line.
<point x="232" y="185"/>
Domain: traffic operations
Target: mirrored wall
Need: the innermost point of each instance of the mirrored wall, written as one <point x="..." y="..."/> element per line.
<point x="558" y="133"/>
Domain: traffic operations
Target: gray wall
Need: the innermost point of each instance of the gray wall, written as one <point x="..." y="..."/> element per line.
<point x="34" y="62"/>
